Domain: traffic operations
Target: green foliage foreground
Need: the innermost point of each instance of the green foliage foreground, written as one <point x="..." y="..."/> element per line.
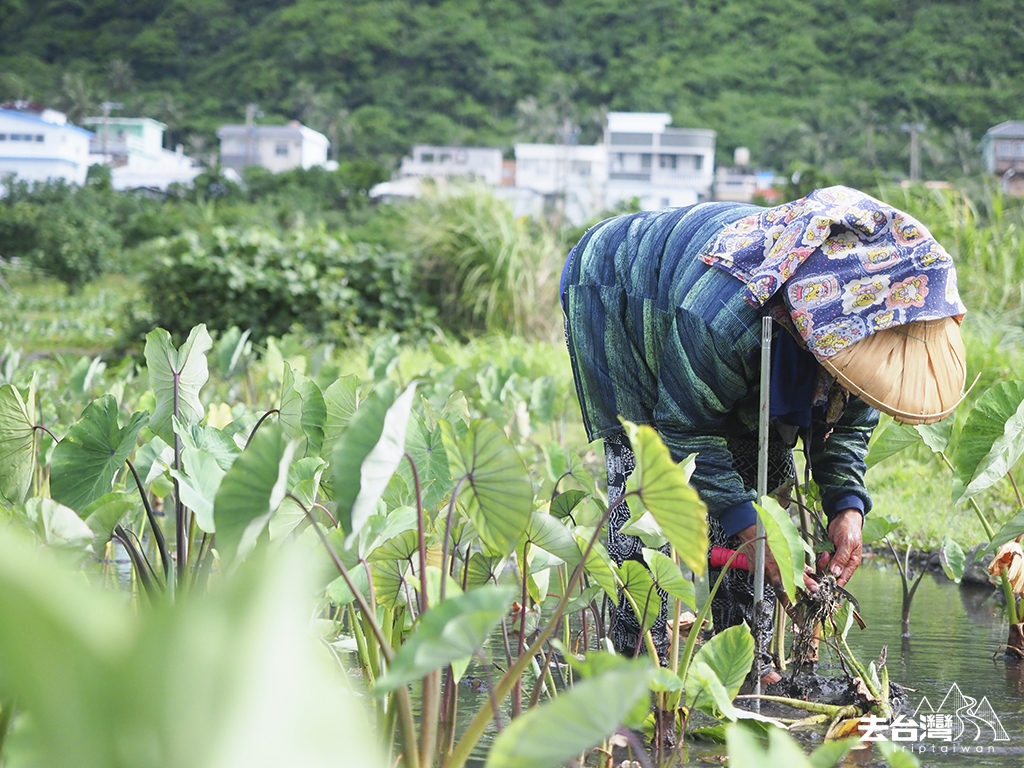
<point x="421" y="532"/>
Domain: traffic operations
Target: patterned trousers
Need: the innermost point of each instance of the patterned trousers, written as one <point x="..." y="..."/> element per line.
<point x="734" y="601"/>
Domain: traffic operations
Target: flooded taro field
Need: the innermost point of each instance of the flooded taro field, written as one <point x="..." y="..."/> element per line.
<point x="964" y="702"/>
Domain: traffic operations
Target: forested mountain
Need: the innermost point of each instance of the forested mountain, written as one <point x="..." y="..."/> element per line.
<point x="827" y="83"/>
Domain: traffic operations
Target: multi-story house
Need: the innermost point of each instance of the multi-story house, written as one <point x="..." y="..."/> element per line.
<point x="658" y="165"/>
<point x="133" y="147"/>
<point x="275" y="147"/>
<point x="1002" y="150"/>
<point x="570" y="179"/>
<point x="38" y="144"/>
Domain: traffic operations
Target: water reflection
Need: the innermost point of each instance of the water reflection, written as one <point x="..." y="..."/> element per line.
<point x="954" y="634"/>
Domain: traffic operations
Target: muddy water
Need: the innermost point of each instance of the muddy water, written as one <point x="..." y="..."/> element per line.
<point x="954" y="633"/>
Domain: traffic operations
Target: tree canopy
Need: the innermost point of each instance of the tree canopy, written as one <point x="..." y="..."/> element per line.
<point x="811" y="82"/>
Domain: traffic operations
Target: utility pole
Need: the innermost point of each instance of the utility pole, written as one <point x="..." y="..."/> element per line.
<point x="107" y="106"/>
<point x="251" y="112"/>
<point x="914" y="129"/>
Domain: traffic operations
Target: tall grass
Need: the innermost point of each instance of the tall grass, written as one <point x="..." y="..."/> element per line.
<point x="983" y="230"/>
<point x="488" y="269"/>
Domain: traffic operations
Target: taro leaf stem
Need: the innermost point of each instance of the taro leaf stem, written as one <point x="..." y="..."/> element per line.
<point x="259" y="423"/>
<point x="831" y="710"/>
<point x="984" y="522"/>
<point x="447" y="527"/>
<point x="404" y="701"/>
<point x="421" y="546"/>
<point x="475" y="730"/>
<point x="139" y="563"/>
<point x="1011" y="600"/>
<point x="158" y="534"/>
<point x="44" y="429"/>
<point x="6" y="716"/>
<point x="517" y="689"/>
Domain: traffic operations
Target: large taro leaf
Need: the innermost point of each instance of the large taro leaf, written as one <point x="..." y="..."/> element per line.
<point x="341" y="399"/>
<point x="991" y="441"/>
<point x="198" y="483"/>
<point x="250" y="492"/>
<point x="573" y="721"/>
<point x="303" y="410"/>
<point x="599" y="567"/>
<point x="239" y="681"/>
<point x="367" y="454"/>
<point x="426" y="448"/>
<point x="889" y="439"/>
<point x="176" y="376"/>
<point x="103" y="515"/>
<point x="638" y="584"/>
<point x="304" y="485"/>
<point x="85" y="462"/>
<point x="17" y="444"/>
<point x="729" y="654"/>
<point x="553" y="536"/>
<point x="785" y="544"/>
<point x="669" y="578"/>
<point x="663" y="488"/>
<point x="58" y="526"/>
<point x="451" y="630"/>
<point x="495" y="487"/>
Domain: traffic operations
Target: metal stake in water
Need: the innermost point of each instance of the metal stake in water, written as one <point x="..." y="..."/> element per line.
<point x="762" y="491"/>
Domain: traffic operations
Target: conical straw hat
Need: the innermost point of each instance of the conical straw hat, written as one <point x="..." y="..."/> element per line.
<point x="914" y="372"/>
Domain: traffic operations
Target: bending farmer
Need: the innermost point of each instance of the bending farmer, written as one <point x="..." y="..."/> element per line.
<point x="663" y="315"/>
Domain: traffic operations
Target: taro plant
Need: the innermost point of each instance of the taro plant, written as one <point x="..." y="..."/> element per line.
<point x="980" y="453"/>
<point x="224" y="677"/>
<point x="430" y="518"/>
<point x="433" y="542"/>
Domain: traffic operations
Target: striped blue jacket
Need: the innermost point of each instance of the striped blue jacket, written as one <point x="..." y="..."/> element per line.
<point x="659" y="337"/>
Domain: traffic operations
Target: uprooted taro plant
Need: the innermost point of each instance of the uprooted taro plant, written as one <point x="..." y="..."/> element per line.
<point x="441" y="562"/>
<point x="980" y="451"/>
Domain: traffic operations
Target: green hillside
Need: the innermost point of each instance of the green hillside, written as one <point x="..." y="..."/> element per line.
<point x="815" y="82"/>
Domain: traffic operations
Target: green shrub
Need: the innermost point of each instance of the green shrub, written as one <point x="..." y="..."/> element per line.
<point x="60" y="229"/>
<point x="486" y="269"/>
<point x="253" y="278"/>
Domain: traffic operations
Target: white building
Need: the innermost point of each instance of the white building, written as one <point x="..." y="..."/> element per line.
<point x="133" y="147"/>
<point x="40" y="144"/>
<point x="274" y="147"/>
<point x="569" y="178"/>
<point x="1002" y="151"/>
<point x="660" y="166"/>
<point x="481" y="164"/>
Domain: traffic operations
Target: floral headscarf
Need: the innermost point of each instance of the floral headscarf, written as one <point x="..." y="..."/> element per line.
<point x="850" y="265"/>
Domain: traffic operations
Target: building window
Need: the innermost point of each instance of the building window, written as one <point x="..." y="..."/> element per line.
<point x="427" y="157"/>
<point x="39" y="138"/>
<point x="3" y="137"/>
<point x="645" y="160"/>
<point x="281" y="149"/>
<point x="667" y="161"/>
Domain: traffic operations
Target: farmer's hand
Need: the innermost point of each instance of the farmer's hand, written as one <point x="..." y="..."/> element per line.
<point x="771" y="568"/>
<point x="845" y="532"/>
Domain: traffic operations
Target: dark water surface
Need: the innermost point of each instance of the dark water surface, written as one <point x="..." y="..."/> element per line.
<point x="954" y="633"/>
